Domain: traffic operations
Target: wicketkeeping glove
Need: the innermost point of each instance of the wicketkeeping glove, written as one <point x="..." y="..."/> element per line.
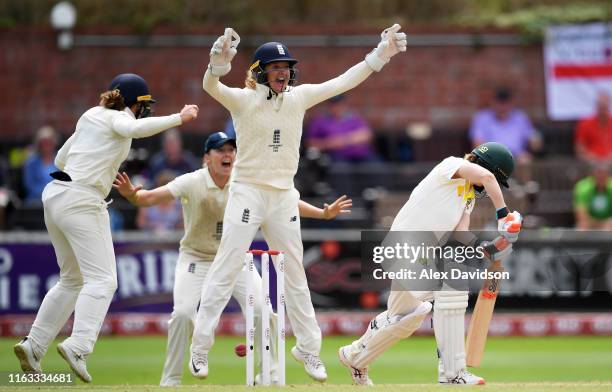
<point x="510" y="226"/>
<point x="223" y="51"/>
<point x="392" y="42"/>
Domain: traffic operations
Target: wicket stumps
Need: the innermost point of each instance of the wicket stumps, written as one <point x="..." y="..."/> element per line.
<point x="265" y="316"/>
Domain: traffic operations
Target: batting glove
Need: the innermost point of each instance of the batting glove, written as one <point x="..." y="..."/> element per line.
<point x="498" y="249"/>
<point x="392" y="42"/>
<point x="510" y="226"/>
<point x="222" y="52"/>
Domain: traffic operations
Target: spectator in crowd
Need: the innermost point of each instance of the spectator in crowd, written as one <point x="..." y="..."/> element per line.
<point x="594" y="134"/>
<point x="505" y="124"/>
<point x="341" y="133"/>
<point x="593" y="200"/>
<point x="164" y="216"/>
<point x="173" y="157"/>
<point x="39" y="164"/>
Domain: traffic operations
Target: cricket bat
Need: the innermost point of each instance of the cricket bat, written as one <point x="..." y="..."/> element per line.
<point x="481" y="318"/>
<point x="483" y="311"/>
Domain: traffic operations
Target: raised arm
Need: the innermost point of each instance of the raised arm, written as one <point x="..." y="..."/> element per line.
<point x="130" y="127"/>
<point x="229" y="97"/>
<point x="392" y="42"/>
<point x="313" y="94"/>
<point x="221" y="55"/>
<point x="329" y="211"/>
<point x="138" y="196"/>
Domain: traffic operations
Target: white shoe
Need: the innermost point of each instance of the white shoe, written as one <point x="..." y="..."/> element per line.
<point x="198" y="364"/>
<point x="76" y="361"/>
<point x="27" y="358"/>
<point x="312" y="364"/>
<point x="464" y="377"/>
<point x="360" y="376"/>
<point x="170" y="383"/>
<point x="273" y="379"/>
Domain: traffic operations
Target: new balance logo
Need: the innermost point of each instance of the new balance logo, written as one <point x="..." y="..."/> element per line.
<point x="276" y="140"/>
<point x="293" y="218"/>
<point x="373" y="324"/>
<point x="191" y="268"/>
<point x="246" y="215"/>
<point x="219" y="231"/>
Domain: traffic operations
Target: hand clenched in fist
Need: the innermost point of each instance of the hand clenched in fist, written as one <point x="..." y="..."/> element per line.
<point x="188" y="113"/>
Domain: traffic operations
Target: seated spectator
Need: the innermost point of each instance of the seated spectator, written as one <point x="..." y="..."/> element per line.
<point x="506" y="124"/>
<point x="593" y="200"/>
<point x="161" y="217"/>
<point x="173" y="157"/>
<point x="341" y="133"/>
<point x="594" y="134"/>
<point x="39" y="164"/>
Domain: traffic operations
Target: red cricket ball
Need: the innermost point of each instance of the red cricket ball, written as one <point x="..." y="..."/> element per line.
<point x="240" y="349"/>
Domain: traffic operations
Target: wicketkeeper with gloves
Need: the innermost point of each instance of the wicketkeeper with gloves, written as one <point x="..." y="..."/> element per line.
<point x="441" y="202"/>
<point x="268" y="114"/>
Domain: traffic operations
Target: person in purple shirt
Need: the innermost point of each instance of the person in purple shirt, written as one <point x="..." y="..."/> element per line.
<point x="341" y="133"/>
<point x="39" y="164"/>
<point x="504" y="123"/>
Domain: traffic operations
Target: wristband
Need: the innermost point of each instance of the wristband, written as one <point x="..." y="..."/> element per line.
<point x="502" y="213"/>
<point x="374" y="62"/>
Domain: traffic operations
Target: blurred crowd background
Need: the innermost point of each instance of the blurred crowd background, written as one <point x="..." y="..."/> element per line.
<point x="475" y="71"/>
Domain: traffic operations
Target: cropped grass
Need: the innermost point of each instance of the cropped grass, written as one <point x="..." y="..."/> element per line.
<point x="510" y="364"/>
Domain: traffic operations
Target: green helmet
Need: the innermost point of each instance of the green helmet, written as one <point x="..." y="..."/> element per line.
<point x="496" y="158"/>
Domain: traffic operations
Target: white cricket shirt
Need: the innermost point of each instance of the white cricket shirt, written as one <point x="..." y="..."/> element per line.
<point x="269" y="127"/>
<point x="203" y="208"/>
<point x="438" y="202"/>
<point x="101" y="142"/>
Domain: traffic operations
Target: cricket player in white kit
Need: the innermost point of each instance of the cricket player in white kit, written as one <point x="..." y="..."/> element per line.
<point x="77" y="219"/>
<point x="204" y="195"/>
<point x="268" y="115"/>
<point x="441" y="202"/>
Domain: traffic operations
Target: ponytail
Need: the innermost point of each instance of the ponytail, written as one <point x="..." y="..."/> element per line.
<point x="112" y="99"/>
<point x="249" y="81"/>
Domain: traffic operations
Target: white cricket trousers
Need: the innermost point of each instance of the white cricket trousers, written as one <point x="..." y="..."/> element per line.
<point x="77" y="220"/>
<point x="399" y="303"/>
<point x="189" y="276"/>
<point x="276" y="211"/>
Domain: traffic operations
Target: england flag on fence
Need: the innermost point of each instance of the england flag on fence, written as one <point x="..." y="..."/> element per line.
<point x="578" y="64"/>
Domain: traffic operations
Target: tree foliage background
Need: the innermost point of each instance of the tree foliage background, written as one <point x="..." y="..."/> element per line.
<point x="527" y="16"/>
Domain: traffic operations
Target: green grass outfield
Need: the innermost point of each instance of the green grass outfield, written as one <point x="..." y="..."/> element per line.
<point x="511" y="364"/>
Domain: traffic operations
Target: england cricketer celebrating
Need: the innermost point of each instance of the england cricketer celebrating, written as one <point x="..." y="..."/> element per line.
<point x="204" y="195"/>
<point x="268" y="116"/>
<point x="441" y="202"/>
<point x="77" y="219"/>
